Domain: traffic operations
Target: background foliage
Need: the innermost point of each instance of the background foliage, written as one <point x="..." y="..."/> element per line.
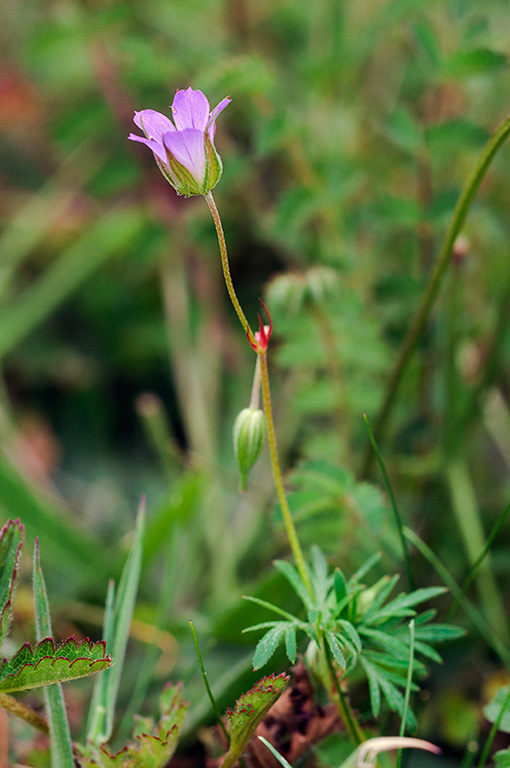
<point x="352" y="128"/>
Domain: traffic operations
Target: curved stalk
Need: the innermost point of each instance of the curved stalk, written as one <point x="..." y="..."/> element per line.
<point x="15" y="707"/>
<point x="469" y="191"/>
<point x="226" y="267"/>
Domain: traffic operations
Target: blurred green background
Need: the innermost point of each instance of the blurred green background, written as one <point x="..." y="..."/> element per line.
<point x="352" y="128"/>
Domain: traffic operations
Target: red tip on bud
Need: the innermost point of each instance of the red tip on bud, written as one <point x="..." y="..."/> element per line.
<point x="263" y="335"/>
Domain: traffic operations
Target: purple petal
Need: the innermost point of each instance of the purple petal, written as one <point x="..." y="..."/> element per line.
<point x="190" y="110"/>
<point x="156" y="147"/>
<point x="153" y="124"/>
<point x="188" y="148"/>
<point x="211" y="124"/>
<point x="216" y="111"/>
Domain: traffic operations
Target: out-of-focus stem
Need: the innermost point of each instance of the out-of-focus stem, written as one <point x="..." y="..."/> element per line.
<point x="418" y="323"/>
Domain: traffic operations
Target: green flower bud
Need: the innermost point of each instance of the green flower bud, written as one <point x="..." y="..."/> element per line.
<point x="249" y="430"/>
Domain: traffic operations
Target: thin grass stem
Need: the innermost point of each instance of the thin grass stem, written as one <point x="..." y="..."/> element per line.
<point x="430" y="294"/>
<point x="476" y="618"/>
<point x="206" y="683"/>
<point x="479" y="560"/>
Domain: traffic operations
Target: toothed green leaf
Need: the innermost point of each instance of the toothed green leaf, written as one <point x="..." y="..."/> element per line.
<point x="153" y="744"/>
<point x="249" y="710"/>
<point x="11" y="541"/>
<point x="47" y="664"/>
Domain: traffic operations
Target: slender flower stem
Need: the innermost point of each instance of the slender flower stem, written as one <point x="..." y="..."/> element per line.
<point x="277" y="474"/>
<point x="255" y="390"/>
<point x="418" y="323"/>
<point x="226" y="268"/>
<point x="10" y="704"/>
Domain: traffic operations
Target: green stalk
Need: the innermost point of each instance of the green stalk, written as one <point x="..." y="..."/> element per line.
<point x="206" y="683"/>
<point x="14" y="707"/>
<point x="295" y="546"/>
<point x="469" y="191"/>
<point x="226" y="267"/>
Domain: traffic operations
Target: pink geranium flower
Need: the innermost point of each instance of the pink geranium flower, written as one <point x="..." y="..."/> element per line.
<point x="184" y="149"/>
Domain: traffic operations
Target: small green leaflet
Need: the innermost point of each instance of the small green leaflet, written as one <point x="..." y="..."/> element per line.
<point x="47" y="664"/>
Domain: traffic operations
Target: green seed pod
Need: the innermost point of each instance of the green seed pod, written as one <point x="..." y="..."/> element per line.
<point x="249" y="429"/>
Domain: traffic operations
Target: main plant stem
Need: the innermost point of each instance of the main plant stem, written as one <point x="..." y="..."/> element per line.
<point x="262" y="376"/>
<point x="277" y="474"/>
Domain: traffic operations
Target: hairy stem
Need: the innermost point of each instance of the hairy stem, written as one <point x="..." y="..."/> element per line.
<point x="277" y="474"/>
<point x="12" y="705"/>
<point x="415" y="329"/>
<point x="226" y="268"/>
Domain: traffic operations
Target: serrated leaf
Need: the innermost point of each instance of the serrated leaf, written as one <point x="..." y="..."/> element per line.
<point x="249" y="710"/>
<point x="11" y="541"/>
<point x="153" y="744"/>
<point x="47" y="664"/>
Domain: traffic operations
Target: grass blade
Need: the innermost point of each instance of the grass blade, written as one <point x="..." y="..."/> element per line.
<point x="117" y="626"/>
<point x="206" y="683"/>
<point x="60" y="735"/>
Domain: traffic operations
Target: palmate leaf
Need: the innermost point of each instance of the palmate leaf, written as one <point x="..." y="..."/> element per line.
<point x="11" y="541"/>
<point x="47" y="664"/>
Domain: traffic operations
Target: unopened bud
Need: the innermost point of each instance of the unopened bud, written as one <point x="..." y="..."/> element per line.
<point x="248" y="433"/>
